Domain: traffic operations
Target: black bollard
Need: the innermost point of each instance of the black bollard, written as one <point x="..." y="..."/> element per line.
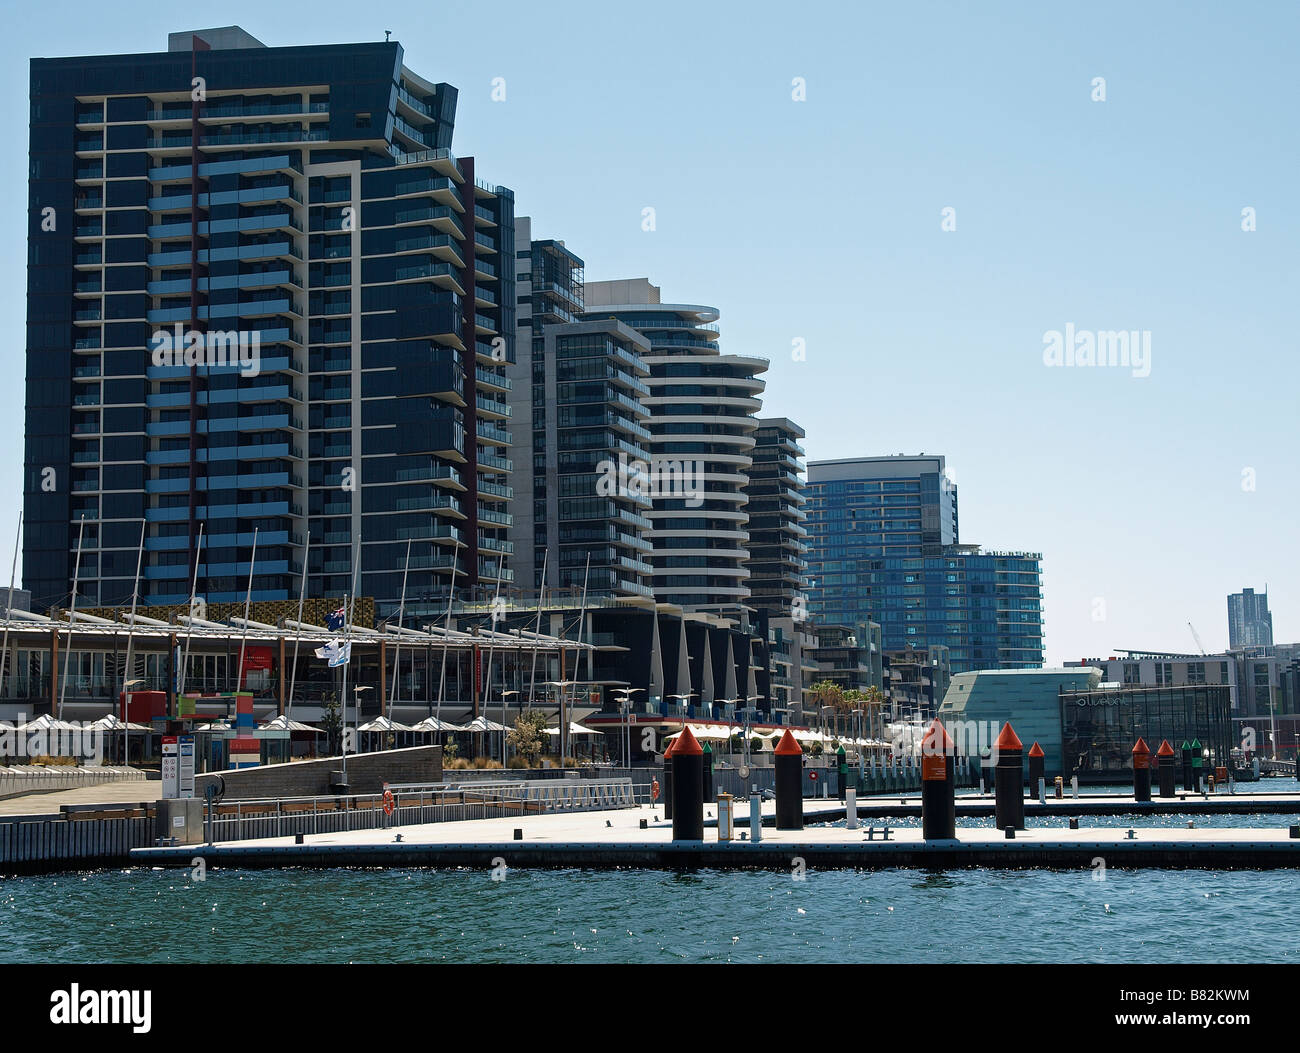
<point x="842" y="767"/>
<point x="789" y="783"/>
<point x="1186" y="750"/>
<point x="688" y="788"/>
<point x="667" y="780"/>
<point x="1009" y="781"/>
<point x="1165" y="768"/>
<point x="1035" y="769"/>
<point x="1141" y="770"/>
<point x="708" y="773"/>
<point x="938" y="784"/>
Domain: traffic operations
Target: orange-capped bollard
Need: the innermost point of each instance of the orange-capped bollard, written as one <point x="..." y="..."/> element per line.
<point x="1009" y="781"/>
<point x="938" y="785"/>
<point x="789" y="783"/>
<point x="1165" y="768"/>
<point x="688" y="788"/>
<point x="1141" y="770"/>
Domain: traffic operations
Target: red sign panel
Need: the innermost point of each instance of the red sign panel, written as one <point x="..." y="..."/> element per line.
<point x="934" y="767"/>
<point x="245" y="744"/>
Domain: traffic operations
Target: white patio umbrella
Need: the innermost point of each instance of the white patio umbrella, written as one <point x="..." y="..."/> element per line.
<point x="574" y="729"/>
<point x="283" y="723"/>
<point x="384" y="724"/>
<point x="45" y="722"/>
<point x="431" y="724"/>
<point x="481" y="724"/>
<point x="113" y="722"/>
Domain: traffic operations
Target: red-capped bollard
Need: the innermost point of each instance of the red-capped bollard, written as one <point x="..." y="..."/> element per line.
<point x="789" y="783"/>
<point x="1141" y="770"/>
<point x="1009" y="781"/>
<point x="938" y="784"/>
<point x="688" y="788"/>
<point x="1035" y="769"/>
<point x="1165" y="768"/>
<point x="668" y="780"/>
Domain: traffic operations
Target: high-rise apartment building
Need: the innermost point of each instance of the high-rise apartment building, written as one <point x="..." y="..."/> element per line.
<point x="578" y="392"/>
<point x="884" y="548"/>
<point x="1249" y="622"/>
<point x="778" y="572"/>
<point x="266" y="302"/>
<point x="703" y="406"/>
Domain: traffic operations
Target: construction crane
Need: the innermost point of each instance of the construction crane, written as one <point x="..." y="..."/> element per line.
<point x="1195" y="637"/>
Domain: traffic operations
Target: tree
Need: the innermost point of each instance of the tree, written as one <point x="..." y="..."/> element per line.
<point x="828" y="693"/>
<point x="528" y="739"/>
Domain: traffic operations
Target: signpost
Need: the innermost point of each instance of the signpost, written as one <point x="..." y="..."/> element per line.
<point x="186" y="767"/>
<point x="170" y="767"/>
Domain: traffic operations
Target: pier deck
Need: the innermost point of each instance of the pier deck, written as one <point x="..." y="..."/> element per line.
<point x="613" y="839"/>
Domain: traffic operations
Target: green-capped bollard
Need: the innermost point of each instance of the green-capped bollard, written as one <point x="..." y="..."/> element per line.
<point x="1198" y="773"/>
<point x="1185" y="755"/>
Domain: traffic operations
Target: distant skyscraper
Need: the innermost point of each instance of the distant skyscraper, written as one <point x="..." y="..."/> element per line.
<point x="884" y="548"/>
<point x="1249" y="622"/>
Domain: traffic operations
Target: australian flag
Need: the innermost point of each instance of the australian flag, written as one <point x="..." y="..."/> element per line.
<point x="335" y="620"/>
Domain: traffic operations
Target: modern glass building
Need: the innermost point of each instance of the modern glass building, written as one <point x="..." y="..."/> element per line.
<point x="303" y="205"/>
<point x="883" y="548"/>
<point x="1100" y="728"/>
<point x="703" y="406"/>
<point x="1249" y="622"/>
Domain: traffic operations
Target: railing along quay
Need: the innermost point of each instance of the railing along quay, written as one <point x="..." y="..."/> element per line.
<point x="413" y="805"/>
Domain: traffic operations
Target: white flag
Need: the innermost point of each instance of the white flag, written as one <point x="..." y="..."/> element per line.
<point x="342" y="654"/>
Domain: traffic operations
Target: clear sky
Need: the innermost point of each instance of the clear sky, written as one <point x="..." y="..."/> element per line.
<point x="821" y="220"/>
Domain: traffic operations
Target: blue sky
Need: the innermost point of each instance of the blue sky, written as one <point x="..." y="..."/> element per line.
<point x="821" y="220"/>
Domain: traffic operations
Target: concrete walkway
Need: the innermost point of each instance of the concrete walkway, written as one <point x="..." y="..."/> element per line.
<point x="110" y="793"/>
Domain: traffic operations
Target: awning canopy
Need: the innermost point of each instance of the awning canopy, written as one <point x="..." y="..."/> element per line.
<point x="711" y="731"/>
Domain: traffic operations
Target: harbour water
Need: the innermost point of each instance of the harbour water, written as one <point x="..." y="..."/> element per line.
<point x="556" y="916"/>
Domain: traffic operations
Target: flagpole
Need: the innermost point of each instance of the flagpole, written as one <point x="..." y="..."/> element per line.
<point x="487" y="685"/>
<point x="297" y="636"/>
<point x="541" y="596"/>
<point x="13" y="574"/>
<point x="401" y="612"/>
<point x="582" y="626"/>
<point x="127" y="672"/>
<point x="189" y="630"/>
<point x="76" y="581"/>
<point x="446" y="635"/>
<point x="248" y="603"/>
<point x="347" y="646"/>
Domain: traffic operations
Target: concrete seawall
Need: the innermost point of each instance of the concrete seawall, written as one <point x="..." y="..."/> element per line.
<point x="367" y="773"/>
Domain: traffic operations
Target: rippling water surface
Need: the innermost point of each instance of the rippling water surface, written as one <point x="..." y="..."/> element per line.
<point x="412" y="915"/>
